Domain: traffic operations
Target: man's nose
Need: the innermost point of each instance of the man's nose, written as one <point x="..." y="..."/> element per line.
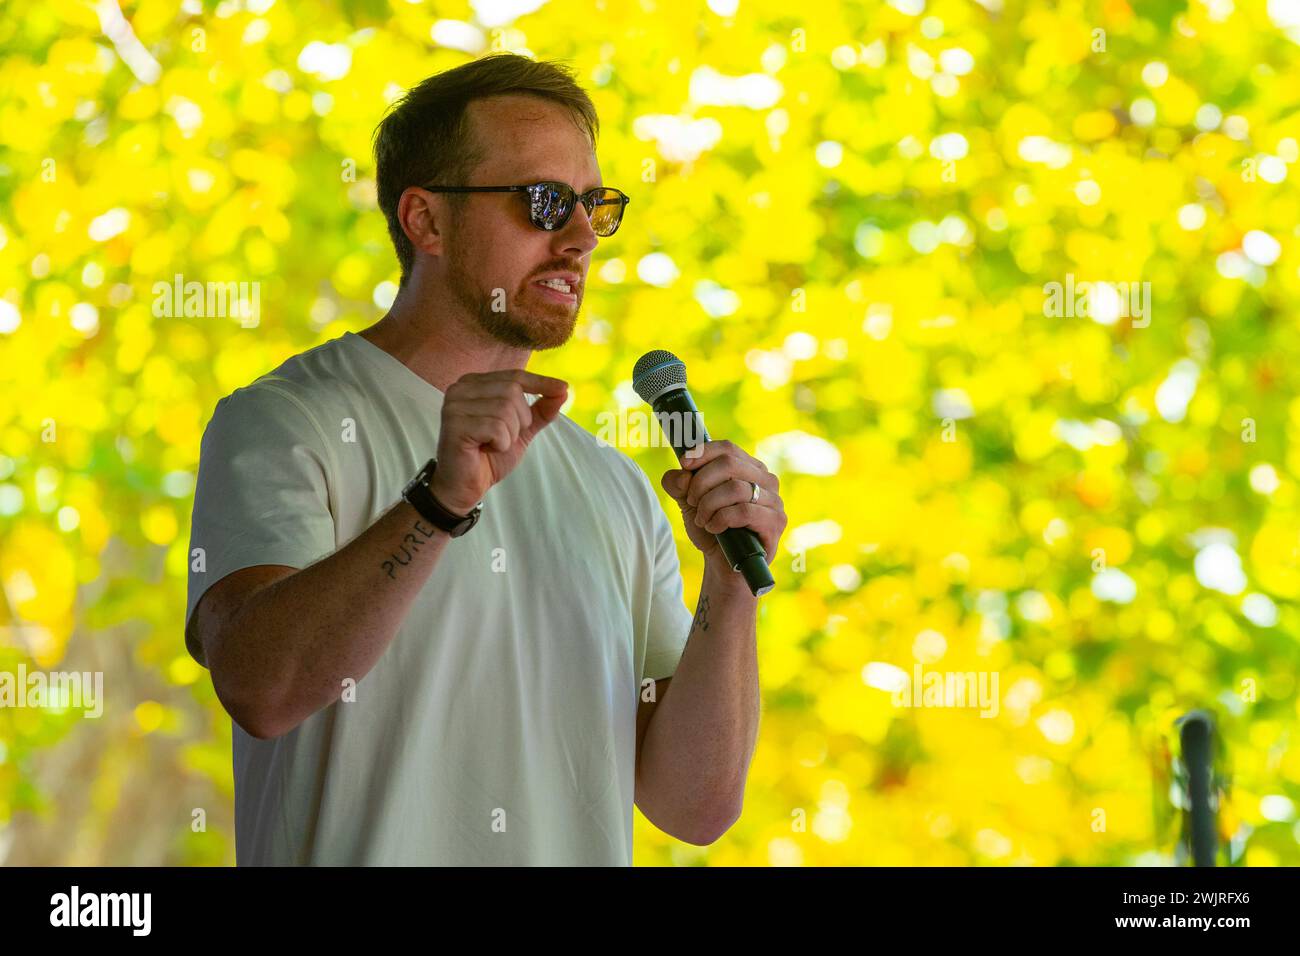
<point x="578" y="233"/>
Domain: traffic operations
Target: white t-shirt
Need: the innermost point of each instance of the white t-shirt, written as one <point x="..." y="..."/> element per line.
<point x="499" y="726"/>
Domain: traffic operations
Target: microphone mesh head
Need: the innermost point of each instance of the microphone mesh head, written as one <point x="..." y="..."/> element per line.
<point x="657" y="372"/>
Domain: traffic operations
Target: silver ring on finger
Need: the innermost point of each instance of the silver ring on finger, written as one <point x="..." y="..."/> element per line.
<point x="754" y="496"/>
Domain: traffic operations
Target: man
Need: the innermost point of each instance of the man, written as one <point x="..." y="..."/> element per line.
<point x="472" y="667"/>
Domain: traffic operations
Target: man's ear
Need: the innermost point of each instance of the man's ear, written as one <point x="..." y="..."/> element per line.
<point x="422" y="215"/>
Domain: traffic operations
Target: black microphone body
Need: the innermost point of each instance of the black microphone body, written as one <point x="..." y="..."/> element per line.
<point x="683" y="426"/>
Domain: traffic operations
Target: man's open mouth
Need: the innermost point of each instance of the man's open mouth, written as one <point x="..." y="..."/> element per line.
<point x="557" y="289"/>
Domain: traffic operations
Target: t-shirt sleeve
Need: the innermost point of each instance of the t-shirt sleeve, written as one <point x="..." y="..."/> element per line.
<point x="670" y="621"/>
<point x="262" y="493"/>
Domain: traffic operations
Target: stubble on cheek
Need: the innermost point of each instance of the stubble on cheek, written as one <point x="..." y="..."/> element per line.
<point x="521" y="318"/>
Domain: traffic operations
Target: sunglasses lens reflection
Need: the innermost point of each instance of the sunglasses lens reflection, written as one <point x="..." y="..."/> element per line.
<point x="551" y="205"/>
<point x="553" y="202"/>
<point x="607" y="212"/>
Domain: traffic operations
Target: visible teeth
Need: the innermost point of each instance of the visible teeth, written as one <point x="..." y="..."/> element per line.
<point x="559" y="284"/>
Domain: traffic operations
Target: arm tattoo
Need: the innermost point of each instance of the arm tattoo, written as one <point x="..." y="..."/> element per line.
<point x="702" y="615"/>
<point x="414" y="541"/>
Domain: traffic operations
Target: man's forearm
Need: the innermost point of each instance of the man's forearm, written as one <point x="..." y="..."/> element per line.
<point x="700" y="739"/>
<point x="286" y="653"/>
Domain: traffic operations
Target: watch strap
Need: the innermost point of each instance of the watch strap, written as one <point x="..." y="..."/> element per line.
<point x="422" y="499"/>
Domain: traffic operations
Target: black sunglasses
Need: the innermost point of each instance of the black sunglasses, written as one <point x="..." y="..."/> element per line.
<point x="552" y="203"/>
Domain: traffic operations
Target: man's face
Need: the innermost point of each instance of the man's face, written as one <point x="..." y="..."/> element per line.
<point x="496" y="256"/>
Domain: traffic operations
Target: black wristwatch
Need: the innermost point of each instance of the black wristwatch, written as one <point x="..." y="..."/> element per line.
<point x="422" y="500"/>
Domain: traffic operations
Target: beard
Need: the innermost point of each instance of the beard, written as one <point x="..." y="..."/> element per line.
<point x="535" y="325"/>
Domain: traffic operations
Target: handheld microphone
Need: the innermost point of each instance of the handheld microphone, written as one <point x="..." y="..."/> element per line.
<point x="660" y="379"/>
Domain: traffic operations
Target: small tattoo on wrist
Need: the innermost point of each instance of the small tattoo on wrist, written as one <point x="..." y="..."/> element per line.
<point x="702" y="615"/>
